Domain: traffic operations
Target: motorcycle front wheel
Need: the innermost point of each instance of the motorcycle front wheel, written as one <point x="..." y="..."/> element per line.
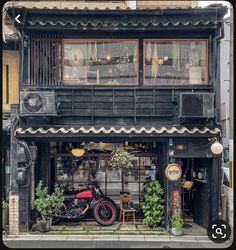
<point x="105" y="213"/>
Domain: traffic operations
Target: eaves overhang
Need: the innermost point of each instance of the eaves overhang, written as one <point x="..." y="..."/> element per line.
<point x="119" y="19"/>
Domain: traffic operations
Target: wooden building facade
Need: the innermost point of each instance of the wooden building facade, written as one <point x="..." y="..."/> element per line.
<point x="147" y="79"/>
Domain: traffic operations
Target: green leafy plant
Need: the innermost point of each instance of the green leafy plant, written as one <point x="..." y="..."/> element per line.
<point x="153" y="204"/>
<point x="47" y="205"/>
<point x="121" y="159"/>
<point x="177" y="222"/>
<point x="4" y="204"/>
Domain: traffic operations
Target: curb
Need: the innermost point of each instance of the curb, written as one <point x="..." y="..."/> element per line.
<point x="144" y="238"/>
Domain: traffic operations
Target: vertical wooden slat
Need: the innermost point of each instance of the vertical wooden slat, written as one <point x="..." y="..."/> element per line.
<point x="56" y="62"/>
<point x="37" y="63"/>
<point x="73" y="101"/>
<point x="113" y="101"/>
<point x="92" y="108"/>
<point x="44" y="63"/>
<point x="154" y="101"/>
<point x="31" y="60"/>
<point x="40" y="61"/>
<point x="135" y="116"/>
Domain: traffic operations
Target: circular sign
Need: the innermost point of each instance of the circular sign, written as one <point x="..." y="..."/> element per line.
<point x="173" y="172"/>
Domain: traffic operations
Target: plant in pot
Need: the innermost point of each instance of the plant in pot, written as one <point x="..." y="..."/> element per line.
<point x="153" y="204"/>
<point x="47" y="205"/>
<point x="121" y="159"/>
<point x="177" y="224"/>
<point x="4" y="213"/>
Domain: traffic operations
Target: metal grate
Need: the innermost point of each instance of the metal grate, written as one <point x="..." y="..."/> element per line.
<point x="196" y="105"/>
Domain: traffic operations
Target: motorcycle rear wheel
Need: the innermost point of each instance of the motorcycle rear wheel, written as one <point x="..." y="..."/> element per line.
<point x="105" y="213"/>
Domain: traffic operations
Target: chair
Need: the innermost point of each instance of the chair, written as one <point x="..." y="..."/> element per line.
<point x="125" y="207"/>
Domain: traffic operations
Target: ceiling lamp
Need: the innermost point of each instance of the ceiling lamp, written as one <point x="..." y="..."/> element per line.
<point x="78" y="152"/>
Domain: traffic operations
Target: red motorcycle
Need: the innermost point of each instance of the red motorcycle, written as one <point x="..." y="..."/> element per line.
<point x="89" y="196"/>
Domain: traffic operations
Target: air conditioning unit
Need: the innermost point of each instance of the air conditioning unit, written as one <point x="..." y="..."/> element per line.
<point x="196" y="105"/>
<point x="37" y="103"/>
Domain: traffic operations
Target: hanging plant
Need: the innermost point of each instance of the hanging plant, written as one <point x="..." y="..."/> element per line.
<point x="153" y="204"/>
<point x="121" y="159"/>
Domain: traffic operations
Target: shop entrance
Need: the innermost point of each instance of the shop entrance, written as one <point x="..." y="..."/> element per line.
<point x="70" y="171"/>
<point x="196" y="189"/>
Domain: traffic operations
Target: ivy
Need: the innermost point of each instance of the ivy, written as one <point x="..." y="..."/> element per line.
<point x="153" y="204"/>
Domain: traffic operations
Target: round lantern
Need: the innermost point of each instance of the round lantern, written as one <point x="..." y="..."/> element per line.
<point x="78" y="152"/>
<point x="216" y="148"/>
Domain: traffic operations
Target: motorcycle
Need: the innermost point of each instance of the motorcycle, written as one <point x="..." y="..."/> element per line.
<point x="89" y="196"/>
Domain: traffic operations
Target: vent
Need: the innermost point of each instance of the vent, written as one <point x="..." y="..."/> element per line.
<point x="197" y="105"/>
<point x="38" y="103"/>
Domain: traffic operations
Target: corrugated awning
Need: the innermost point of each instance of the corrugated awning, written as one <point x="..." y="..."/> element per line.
<point x="113" y="130"/>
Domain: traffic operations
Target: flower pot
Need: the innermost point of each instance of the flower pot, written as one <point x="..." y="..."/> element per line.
<point x="44" y="226"/>
<point x="175" y="231"/>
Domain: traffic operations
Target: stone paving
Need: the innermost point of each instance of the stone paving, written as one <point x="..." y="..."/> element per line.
<point x="118" y="228"/>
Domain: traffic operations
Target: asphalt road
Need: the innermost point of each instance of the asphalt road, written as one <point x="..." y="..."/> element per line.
<point x="109" y="244"/>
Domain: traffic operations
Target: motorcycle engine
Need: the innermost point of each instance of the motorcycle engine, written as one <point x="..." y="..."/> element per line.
<point x="78" y="207"/>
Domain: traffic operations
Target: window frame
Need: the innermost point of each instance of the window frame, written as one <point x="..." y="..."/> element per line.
<point x="206" y="82"/>
<point x="76" y="40"/>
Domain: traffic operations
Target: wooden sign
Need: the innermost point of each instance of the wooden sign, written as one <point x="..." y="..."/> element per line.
<point x="173" y="172"/>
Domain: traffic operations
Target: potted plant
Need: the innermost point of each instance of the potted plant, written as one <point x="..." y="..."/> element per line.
<point x="177" y="224"/>
<point x="153" y="204"/>
<point x="121" y="159"/>
<point x="47" y="205"/>
<point x="4" y="213"/>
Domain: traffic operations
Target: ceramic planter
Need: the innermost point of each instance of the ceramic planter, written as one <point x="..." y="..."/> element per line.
<point x="176" y="232"/>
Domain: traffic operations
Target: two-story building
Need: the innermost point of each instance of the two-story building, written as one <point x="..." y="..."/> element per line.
<point x="147" y="79"/>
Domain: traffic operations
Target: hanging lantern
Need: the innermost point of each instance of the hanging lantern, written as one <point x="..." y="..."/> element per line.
<point x="216" y="148"/>
<point x="78" y="152"/>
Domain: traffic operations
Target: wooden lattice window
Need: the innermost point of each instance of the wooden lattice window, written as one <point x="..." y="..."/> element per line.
<point x="45" y="60"/>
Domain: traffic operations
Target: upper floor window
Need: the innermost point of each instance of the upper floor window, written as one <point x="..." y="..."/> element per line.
<point x="100" y="62"/>
<point x="175" y="62"/>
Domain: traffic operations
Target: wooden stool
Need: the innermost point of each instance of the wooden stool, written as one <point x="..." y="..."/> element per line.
<point x="125" y="208"/>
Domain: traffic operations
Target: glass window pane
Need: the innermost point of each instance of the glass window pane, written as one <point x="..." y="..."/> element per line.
<point x="100" y="62"/>
<point x="175" y="62"/>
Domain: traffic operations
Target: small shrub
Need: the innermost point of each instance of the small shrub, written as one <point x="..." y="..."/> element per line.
<point x="153" y="204"/>
<point x="47" y="205"/>
<point x="177" y="222"/>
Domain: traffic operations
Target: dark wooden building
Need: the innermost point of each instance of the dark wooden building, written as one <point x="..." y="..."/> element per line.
<point x="147" y="79"/>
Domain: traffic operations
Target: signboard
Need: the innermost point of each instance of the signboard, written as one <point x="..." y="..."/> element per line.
<point x="173" y="172"/>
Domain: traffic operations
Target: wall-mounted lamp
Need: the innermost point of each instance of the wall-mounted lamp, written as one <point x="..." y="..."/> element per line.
<point x="216" y="147"/>
<point x="180" y="147"/>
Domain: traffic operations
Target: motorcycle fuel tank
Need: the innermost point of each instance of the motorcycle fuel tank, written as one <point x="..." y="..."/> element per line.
<point x="84" y="194"/>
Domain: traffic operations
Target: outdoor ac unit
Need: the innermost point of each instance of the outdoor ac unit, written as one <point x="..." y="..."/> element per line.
<point x="37" y="103"/>
<point x="196" y="105"/>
